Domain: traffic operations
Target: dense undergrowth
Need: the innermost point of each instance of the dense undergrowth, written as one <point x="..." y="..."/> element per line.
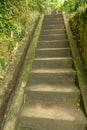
<point x="16" y="19"/>
<point x="78" y="22"/>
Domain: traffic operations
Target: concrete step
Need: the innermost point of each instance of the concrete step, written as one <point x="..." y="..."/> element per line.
<point x="39" y="116"/>
<point x="53" y="44"/>
<point x="48" y="88"/>
<point x="51" y="37"/>
<point x="53" y="52"/>
<point x="53" y="31"/>
<point x="52" y="25"/>
<point x="52" y="22"/>
<point x="53" y="19"/>
<point x="53" y="16"/>
<point x="52" y="77"/>
<point x="59" y="26"/>
<point x="52" y="95"/>
<point x="48" y="63"/>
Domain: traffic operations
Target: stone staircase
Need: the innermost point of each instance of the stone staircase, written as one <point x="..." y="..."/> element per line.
<point x="52" y="90"/>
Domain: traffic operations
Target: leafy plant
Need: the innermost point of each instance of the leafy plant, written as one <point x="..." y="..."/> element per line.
<point x="2" y="62"/>
<point x="72" y="6"/>
<point x="78" y="23"/>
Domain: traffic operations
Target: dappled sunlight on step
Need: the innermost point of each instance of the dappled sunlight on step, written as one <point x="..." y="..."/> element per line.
<point x="53" y="71"/>
<point x="42" y="49"/>
<point x="55" y="58"/>
<point x="53" y="112"/>
<point x="55" y="88"/>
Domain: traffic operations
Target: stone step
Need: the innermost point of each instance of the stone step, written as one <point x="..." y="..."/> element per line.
<point x="52" y="25"/>
<point x="48" y="63"/>
<point x="53" y="31"/>
<point x="53" y="19"/>
<point x="51" y="37"/>
<point x="59" y="26"/>
<point x="52" y="22"/>
<point x="52" y="95"/>
<point x="48" y="88"/>
<point x="53" y="44"/>
<point x="39" y="116"/>
<point x="53" y="52"/>
<point x="53" y="16"/>
<point x="52" y="77"/>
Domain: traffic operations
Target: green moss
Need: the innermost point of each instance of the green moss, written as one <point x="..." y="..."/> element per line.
<point x="78" y="23"/>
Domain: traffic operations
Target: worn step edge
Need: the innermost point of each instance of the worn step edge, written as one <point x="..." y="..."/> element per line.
<point x="52" y="41"/>
<point x="51" y="49"/>
<point x="53" y="35"/>
<point x="58" y="71"/>
<point x="61" y="40"/>
<point x="53" y="52"/>
<point x="50" y="15"/>
<point x="53" y="63"/>
<point x="55" y="58"/>
<point x="53" y="27"/>
<point x="52" y="23"/>
<point x="82" y="79"/>
<point x="52" y="88"/>
<point x="53" y="19"/>
<point x="52" y="30"/>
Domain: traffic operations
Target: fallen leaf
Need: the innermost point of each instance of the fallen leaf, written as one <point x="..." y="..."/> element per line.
<point x="78" y="103"/>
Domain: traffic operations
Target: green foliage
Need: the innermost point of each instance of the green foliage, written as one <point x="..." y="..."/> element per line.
<point x="2" y="62"/>
<point x="72" y="5"/>
<point x="39" y="5"/>
<point x="14" y="17"/>
<point x="78" y="23"/>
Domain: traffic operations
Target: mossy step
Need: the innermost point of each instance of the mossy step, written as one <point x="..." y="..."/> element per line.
<point x="53" y="31"/>
<point x="52" y="77"/>
<point x="53" y="44"/>
<point x="51" y="117"/>
<point x="52" y="37"/>
<point x="49" y="63"/>
<point x="53" y="52"/>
